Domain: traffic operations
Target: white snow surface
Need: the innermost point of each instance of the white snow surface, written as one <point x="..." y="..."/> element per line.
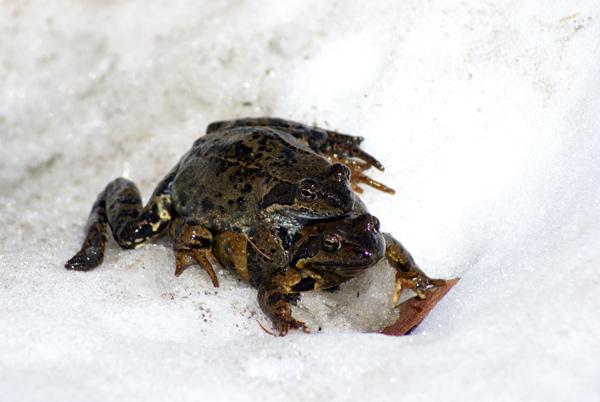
<point x="485" y="114"/>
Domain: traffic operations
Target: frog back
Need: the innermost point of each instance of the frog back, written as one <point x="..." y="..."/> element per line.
<point x="230" y="179"/>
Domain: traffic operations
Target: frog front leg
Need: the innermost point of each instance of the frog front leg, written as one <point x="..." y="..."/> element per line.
<point x="336" y="147"/>
<point x="192" y="244"/>
<point x="274" y="298"/>
<point x="408" y="274"/>
<point x="120" y="205"/>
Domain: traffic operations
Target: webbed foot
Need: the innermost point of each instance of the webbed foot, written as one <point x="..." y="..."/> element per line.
<point x="288" y="323"/>
<point x="408" y="274"/>
<point x="417" y="283"/>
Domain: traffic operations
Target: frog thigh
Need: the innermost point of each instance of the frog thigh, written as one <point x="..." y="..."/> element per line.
<point x="120" y="205"/>
<point x="230" y="248"/>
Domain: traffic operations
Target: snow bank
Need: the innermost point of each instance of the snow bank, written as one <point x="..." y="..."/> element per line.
<point x="485" y="116"/>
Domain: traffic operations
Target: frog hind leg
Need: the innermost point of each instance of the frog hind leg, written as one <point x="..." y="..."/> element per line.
<point x="408" y="274"/>
<point x="357" y="176"/>
<point x="192" y="244"/>
<point x="92" y="251"/>
<point x="345" y="149"/>
<point x="274" y="298"/>
<point x="336" y="147"/>
<point x="120" y="206"/>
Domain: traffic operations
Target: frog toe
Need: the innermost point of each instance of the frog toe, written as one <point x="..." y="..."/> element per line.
<point x="206" y="259"/>
<point x="418" y="284"/>
<point x="291" y="323"/>
<point x="86" y="259"/>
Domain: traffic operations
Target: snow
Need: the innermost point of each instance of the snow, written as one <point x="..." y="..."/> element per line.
<point x="485" y="115"/>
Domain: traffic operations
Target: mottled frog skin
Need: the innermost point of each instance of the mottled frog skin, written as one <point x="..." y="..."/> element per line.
<point x="256" y="176"/>
<point x="323" y="254"/>
<point x="270" y="199"/>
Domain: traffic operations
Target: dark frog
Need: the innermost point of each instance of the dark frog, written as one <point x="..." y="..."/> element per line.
<point x="261" y="177"/>
<point x="322" y="254"/>
<point x="270" y="199"/>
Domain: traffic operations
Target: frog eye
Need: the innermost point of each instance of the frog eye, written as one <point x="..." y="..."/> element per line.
<point x="307" y="191"/>
<point x="331" y="242"/>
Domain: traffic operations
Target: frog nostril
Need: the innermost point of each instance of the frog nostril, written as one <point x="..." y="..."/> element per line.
<point x="376" y="224"/>
<point x="341" y="172"/>
<point x="347" y="171"/>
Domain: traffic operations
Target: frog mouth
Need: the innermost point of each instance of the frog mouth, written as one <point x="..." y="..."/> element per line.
<point x="308" y="214"/>
<point x="356" y="265"/>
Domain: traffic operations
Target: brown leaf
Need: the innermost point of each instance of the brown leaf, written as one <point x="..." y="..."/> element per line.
<point x="414" y="310"/>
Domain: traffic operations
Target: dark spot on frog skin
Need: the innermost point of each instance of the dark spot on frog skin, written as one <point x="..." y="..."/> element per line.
<point x="241" y="203"/>
<point x="305" y="285"/>
<point x="183" y="198"/>
<point x="284" y="194"/>
<point x="284" y="235"/>
<point x="206" y="205"/>
<point x="243" y="152"/>
<point x="309" y="249"/>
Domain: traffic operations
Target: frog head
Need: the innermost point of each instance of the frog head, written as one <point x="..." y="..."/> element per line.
<point x="337" y="249"/>
<point x="310" y="192"/>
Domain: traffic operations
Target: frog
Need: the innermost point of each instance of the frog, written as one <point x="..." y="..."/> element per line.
<point x="263" y="178"/>
<point x="322" y="255"/>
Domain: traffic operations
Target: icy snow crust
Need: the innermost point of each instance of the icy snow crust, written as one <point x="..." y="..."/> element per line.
<point x="485" y="115"/>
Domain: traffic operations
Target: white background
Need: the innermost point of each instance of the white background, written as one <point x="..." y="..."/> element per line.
<point x="485" y="114"/>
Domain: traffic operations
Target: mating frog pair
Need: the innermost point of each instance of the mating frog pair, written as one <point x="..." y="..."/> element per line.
<point x="272" y="200"/>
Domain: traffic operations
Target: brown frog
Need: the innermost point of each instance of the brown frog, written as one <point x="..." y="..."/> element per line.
<point x="260" y="177"/>
<point x="322" y="254"/>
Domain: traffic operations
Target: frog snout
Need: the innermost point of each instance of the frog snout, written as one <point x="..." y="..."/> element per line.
<point x="371" y="239"/>
<point x="339" y="171"/>
<point x="366" y="223"/>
